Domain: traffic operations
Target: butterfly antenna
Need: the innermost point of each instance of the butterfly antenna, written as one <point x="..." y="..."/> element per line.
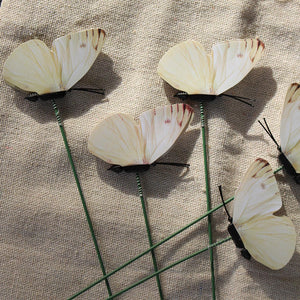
<point x="239" y="98"/>
<point x="221" y="194"/>
<point x="171" y="164"/>
<point x="268" y="131"/>
<point x="89" y="90"/>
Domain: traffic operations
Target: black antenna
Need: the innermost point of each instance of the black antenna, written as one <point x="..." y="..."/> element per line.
<point x="221" y="194"/>
<point x="268" y="131"/>
<point x="239" y="98"/>
<point x="171" y="164"/>
<point x="90" y="90"/>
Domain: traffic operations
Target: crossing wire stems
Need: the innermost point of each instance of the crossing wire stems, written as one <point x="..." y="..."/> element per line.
<point x="169" y="267"/>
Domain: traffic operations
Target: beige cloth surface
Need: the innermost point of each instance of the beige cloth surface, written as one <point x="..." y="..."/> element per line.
<point x="46" y="250"/>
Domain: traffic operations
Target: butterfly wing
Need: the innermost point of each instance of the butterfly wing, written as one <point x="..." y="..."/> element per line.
<point x="117" y="140"/>
<point x="187" y="67"/>
<point x="290" y="126"/>
<point x="270" y="240"/>
<point x="33" y="67"/>
<point x="233" y="60"/>
<point x="258" y="193"/>
<point x="161" y="127"/>
<point x="76" y="54"/>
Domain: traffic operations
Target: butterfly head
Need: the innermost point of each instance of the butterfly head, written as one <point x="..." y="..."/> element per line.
<point x="33" y="97"/>
<point x="183" y="96"/>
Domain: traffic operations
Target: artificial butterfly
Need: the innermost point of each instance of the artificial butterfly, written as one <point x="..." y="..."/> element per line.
<point x="49" y="74"/>
<point x="201" y="76"/>
<point x="289" y="147"/>
<point x="269" y="239"/>
<point x="135" y="145"/>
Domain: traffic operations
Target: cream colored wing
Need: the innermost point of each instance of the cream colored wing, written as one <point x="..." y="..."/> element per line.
<point x="33" y="67"/>
<point x="118" y="140"/>
<point x="161" y="127"/>
<point x="232" y="61"/>
<point x="290" y="126"/>
<point x="270" y="240"/>
<point x="258" y="193"/>
<point x="188" y="68"/>
<point x="76" y="54"/>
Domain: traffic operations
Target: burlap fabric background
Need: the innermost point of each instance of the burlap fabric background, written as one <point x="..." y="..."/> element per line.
<point x="46" y="248"/>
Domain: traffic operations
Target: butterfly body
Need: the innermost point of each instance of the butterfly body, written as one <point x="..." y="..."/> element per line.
<point x="45" y="97"/>
<point x="289" y="167"/>
<point x="144" y="167"/>
<point x="129" y="169"/>
<point x="198" y="97"/>
<point x="238" y="241"/>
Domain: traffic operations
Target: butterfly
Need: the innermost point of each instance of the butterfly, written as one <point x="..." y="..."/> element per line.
<point x="135" y="145"/>
<point x="289" y="132"/>
<point x="201" y="76"/>
<point x="50" y="73"/>
<point x="269" y="239"/>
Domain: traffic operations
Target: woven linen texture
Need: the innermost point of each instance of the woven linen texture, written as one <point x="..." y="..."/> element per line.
<point x="46" y="248"/>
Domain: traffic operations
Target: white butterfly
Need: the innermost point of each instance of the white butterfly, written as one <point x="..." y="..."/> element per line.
<point x="289" y="132"/>
<point x="135" y="145"/>
<point x="269" y="239"/>
<point x="188" y="68"/>
<point x="33" y="67"/>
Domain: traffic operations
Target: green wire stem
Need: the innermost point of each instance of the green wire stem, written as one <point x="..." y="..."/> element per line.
<point x="169" y="267"/>
<point x="277" y="170"/>
<point x="63" y="133"/>
<point x="156" y="245"/>
<point x="149" y="234"/>
<point x="212" y="245"/>
<point x="208" y="202"/>
<point x="151" y="248"/>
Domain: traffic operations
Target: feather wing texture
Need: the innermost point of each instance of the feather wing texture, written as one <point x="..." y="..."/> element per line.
<point x="269" y="239"/>
<point x="162" y="127"/>
<point x="187" y="67"/>
<point x="290" y="126"/>
<point x="76" y="54"/>
<point x="121" y="140"/>
<point x="33" y="67"/>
